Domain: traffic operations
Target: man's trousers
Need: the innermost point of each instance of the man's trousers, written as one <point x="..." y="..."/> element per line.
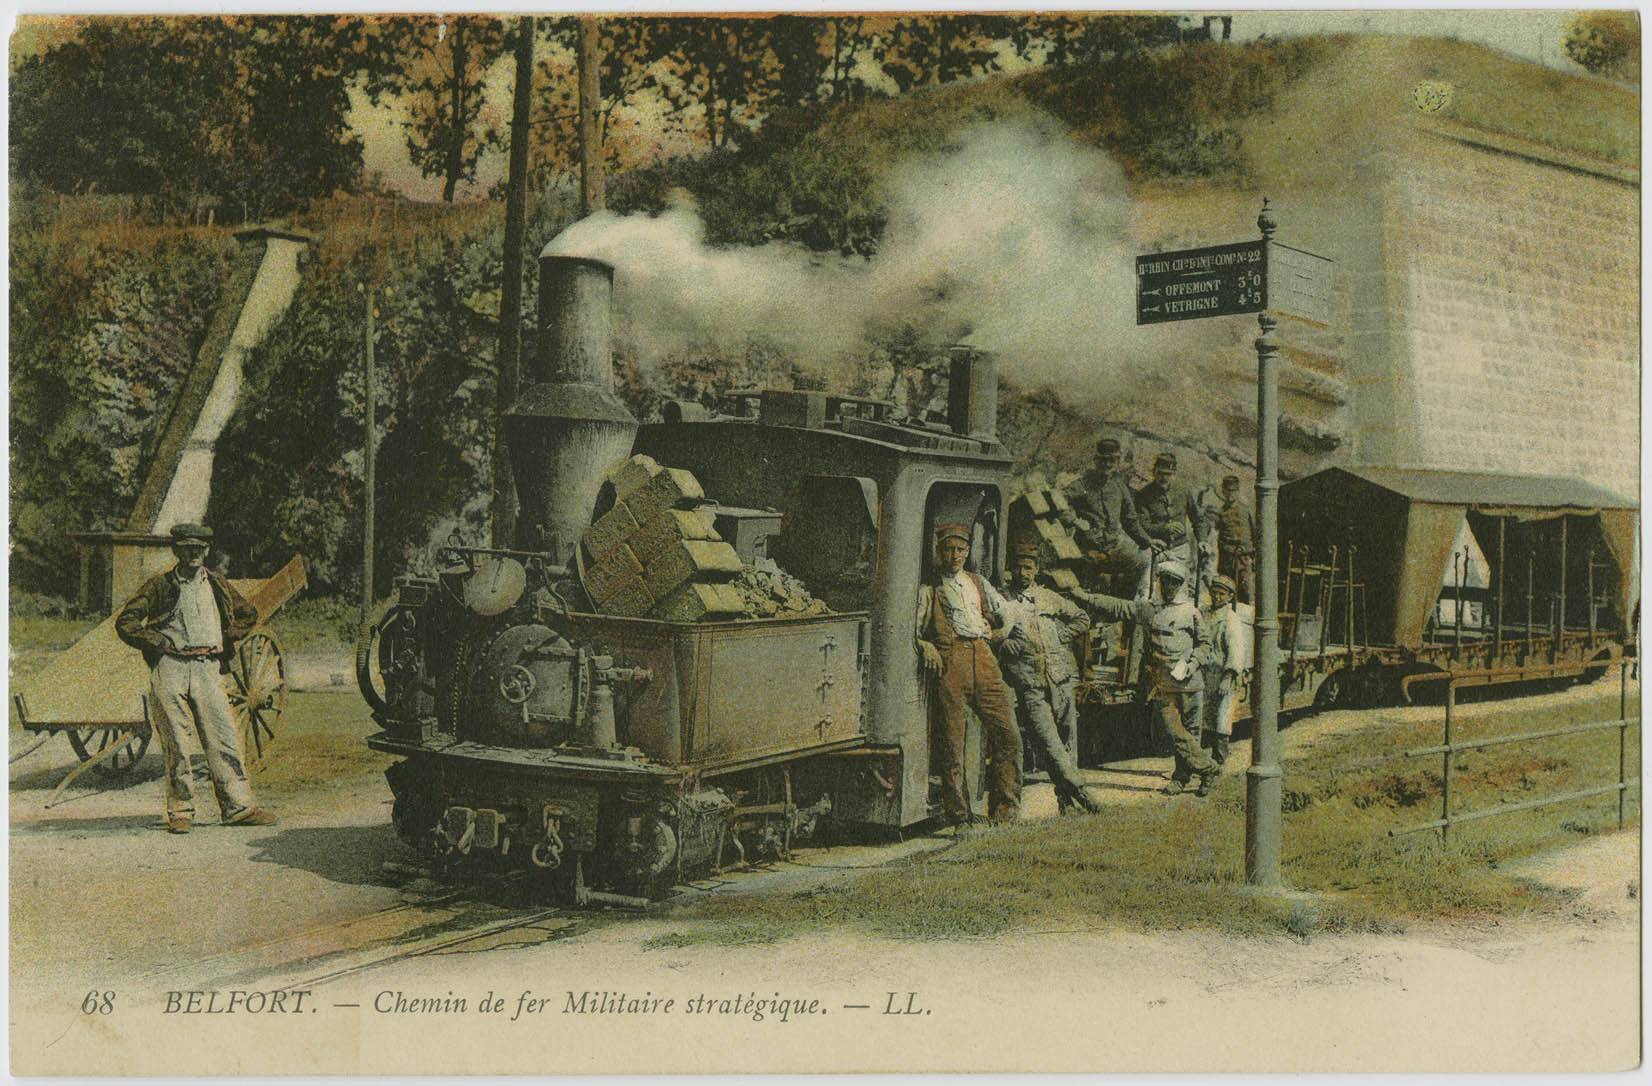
<point x="1178" y="712"/>
<point x="970" y="676"/>
<point x="190" y="700"/>
<point x="1045" y="712"/>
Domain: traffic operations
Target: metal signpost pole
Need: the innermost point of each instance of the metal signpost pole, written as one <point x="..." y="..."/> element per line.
<point x="1263" y="786"/>
<point x="1264" y="278"/>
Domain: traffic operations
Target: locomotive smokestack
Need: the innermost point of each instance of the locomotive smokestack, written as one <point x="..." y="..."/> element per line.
<point x="972" y="393"/>
<point x="567" y="426"/>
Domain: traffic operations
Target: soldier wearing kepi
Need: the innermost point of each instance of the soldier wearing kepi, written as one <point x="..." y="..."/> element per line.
<point x="1037" y="659"/>
<point x="1236" y="541"/>
<point x="1105" y="520"/>
<point x="1172" y="518"/>
<point x="1176" y="651"/>
<point x="186" y="622"/>
<point x="959" y="616"/>
<point x="1227" y="669"/>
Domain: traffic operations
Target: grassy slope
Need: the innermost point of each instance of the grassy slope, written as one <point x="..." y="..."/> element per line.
<point x="1179" y="863"/>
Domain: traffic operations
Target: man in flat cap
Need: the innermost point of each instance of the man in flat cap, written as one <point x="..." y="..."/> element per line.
<point x="1236" y="540"/>
<point x="1176" y="653"/>
<point x="186" y="622"/>
<point x="1173" y="520"/>
<point x="960" y="615"/>
<point x="1037" y="659"/>
<point x="1105" y="521"/>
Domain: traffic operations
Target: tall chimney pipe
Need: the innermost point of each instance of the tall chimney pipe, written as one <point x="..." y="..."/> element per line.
<point x="567" y="426"/>
<point x="972" y="393"/>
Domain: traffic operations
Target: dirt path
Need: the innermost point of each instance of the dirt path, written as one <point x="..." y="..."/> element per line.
<point x="101" y="899"/>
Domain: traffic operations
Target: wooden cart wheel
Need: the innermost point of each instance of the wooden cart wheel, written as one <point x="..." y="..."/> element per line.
<point x="257" y="694"/>
<point x="90" y="742"/>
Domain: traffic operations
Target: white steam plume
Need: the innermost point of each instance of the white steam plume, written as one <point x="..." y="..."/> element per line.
<point x="1015" y="237"/>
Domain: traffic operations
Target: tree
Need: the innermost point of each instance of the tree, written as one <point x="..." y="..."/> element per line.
<point x="450" y="58"/>
<point x="928" y="49"/>
<point x="725" y="66"/>
<point x="1606" y="43"/>
<point x="248" y="109"/>
<point x="1090" y="39"/>
<point x="630" y="48"/>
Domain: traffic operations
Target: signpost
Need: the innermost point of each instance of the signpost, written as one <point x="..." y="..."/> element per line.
<point x="1264" y="278"/>
<point x="1216" y="282"/>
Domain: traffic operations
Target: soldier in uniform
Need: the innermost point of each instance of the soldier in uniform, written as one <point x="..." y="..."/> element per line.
<point x="1176" y="652"/>
<point x="959" y="616"/>
<point x="1037" y="660"/>
<point x="1236" y="541"/>
<point x="1229" y="625"/>
<point x="1172" y="519"/>
<point x="1105" y="520"/>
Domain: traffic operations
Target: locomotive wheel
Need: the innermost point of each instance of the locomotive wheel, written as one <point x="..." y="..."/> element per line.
<point x="376" y="643"/>
<point x="1336" y="692"/>
<point x="257" y="695"/>
<point x="90" y="742"/>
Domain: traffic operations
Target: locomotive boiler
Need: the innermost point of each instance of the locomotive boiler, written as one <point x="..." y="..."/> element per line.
<point x="545" y="721"/>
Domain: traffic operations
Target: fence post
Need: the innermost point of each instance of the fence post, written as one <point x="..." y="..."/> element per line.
<point x="1623" y="729"/>
<point x="1445" y="768"/>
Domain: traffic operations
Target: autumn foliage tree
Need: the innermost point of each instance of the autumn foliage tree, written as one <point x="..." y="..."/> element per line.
<point x="445" y="63"/>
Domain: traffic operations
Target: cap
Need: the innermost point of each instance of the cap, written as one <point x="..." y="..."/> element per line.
<point x="1173" y="569"/>
<point x="1224" y="582"/>
<point x="189" y="532"/>
<point x="951" y="531"/>
<point x="1107" y="445"/>
<point x="1226" y="479"/>
<point x="1165" y="460"/>
<point x="1024" y="548"/>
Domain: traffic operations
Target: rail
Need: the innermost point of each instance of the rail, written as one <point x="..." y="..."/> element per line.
<point x="1446" y="749"/>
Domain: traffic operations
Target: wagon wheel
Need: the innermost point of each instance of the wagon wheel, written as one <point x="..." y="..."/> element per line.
<point x="91" y="742"/>
<point x="257" y="694"/>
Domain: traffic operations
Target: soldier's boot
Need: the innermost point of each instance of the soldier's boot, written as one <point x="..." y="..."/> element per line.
<point x="1175" y="787"/>
<point x="1204" y="785"/>
<point x="1219" y="749"/>
<point x="1078" y="799"/>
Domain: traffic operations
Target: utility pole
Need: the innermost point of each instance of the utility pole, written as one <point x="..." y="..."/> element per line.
<point x="590" y="100"/>
<point x="369" y="452"/>
<point x="510" y="293"/>
<point x="1263" y="786"/>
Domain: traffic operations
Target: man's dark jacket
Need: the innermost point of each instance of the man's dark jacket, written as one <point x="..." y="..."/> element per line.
<point x="140" y="621"/>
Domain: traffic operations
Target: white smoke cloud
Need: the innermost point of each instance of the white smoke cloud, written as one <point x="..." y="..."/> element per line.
<point x="1014" y="236"/>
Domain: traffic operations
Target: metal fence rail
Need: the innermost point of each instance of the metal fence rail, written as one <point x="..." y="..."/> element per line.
<point x="1447" y="748"/>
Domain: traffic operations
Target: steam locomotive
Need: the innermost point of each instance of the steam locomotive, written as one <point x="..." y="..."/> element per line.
<point x="612" y="757"/>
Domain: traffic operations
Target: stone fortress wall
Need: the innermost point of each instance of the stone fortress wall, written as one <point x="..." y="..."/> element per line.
<point x="1516" y="340"/>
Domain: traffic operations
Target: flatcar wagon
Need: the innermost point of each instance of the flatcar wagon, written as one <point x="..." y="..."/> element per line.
<point x="1391" y="572"/>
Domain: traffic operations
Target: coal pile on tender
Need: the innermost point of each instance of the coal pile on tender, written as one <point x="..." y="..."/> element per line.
<point x="656" y="554"/>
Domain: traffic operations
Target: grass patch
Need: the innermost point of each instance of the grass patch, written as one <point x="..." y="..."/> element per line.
<point x="316" y="624"/>
<point x="1179" y="864"/>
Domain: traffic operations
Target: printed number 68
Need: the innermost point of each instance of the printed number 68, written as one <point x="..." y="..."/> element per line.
<point x="98" y="1003"/>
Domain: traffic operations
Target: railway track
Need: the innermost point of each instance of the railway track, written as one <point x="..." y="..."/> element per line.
<point x="452" y="920"/>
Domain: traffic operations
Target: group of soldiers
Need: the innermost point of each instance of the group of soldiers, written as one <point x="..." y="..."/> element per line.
<point x="1009" y="654"/>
